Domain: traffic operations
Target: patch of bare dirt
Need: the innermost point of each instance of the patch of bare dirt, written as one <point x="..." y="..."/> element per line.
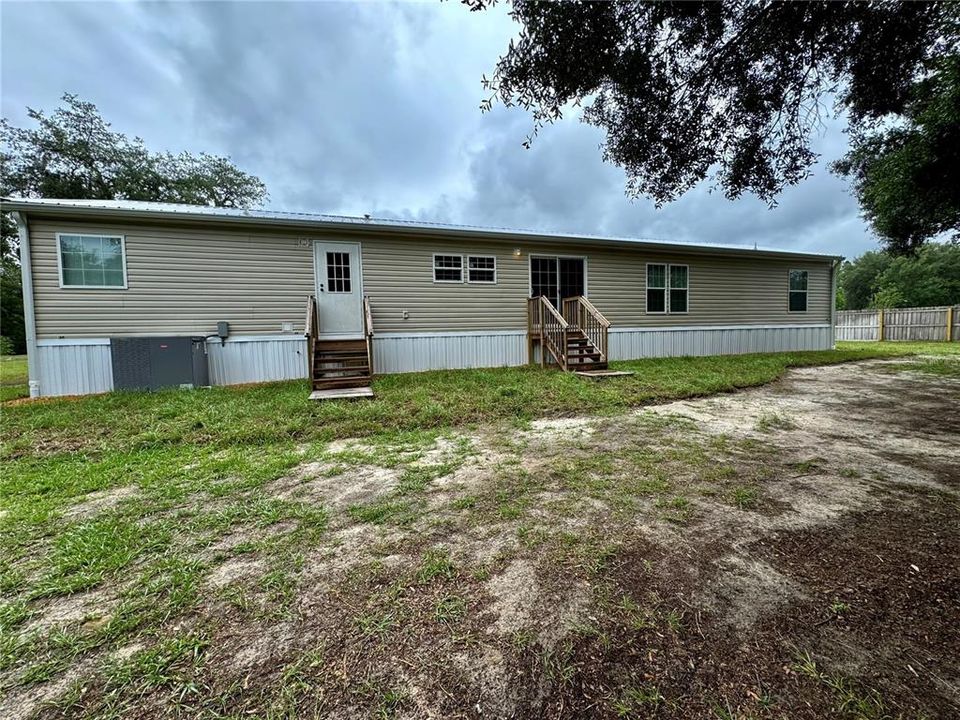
<point x="67" y="610"/>
<point x="315" y="482"/>
<point x="522" y="604"/>
<point x="99" y="501"/>
<point x="236" y="569"/>
<point x="636" y="566"/>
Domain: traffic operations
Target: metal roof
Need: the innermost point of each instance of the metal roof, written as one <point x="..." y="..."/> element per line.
<point x="158" y="210"/>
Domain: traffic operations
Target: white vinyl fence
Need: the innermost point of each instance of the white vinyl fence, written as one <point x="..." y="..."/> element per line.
<point x="926" y="323"/>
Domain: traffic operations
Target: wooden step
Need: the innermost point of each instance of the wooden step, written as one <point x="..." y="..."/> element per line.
<point x="348" y="354"/>
<point x="322" y="383"/>
<point x="338" y="363"/>
<point x="338" y="393"/>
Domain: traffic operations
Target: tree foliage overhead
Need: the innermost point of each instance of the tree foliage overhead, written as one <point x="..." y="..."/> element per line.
<point x="907" y="178"/>
<point x="928" y="277"/>
<point x="73" y="154"/>
<point x="730" y="88"/>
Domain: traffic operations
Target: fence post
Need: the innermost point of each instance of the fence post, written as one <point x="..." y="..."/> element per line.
<point x="950" y="323"/>
<point x="880" y="326"/>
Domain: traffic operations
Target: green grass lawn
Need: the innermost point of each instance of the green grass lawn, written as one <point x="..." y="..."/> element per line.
<point x="13" y="377"/>
<point x="280" y="413"/>
<point x="196" y="462"/>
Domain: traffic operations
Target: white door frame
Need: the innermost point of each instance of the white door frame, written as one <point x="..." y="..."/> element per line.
<point x="548" y="256"/>
<point x="318" y="267"/>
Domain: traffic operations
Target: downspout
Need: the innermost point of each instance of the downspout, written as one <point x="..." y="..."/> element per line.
<point x="833" y="303"/>
<point x="29" y="317"/>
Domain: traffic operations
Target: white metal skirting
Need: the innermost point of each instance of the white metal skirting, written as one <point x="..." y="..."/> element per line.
<point x="76" y="367"/>
<point x="257" y="359"/>
<point x="395" y="353"/>
<point x="83" y="366"/>
<point x="633" y="343"/>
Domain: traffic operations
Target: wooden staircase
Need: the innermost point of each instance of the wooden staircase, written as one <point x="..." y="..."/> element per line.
<point x="575" y="340"/>
<point x="339" y="368"/>
<point x="582" y="354"/>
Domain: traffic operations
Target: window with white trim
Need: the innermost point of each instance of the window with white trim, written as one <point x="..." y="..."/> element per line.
<point x="679" y="282"/>
<point x="482" y="269"/>
<point x="798" y="291"/>
<point x="92" y="261"/>
<point x="668" y="287"/>
<point x="656" y="288"/>
<point x="448" y="268"/>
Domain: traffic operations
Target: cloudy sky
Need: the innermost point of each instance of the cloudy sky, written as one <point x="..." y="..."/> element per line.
<point x="359" y="108"/>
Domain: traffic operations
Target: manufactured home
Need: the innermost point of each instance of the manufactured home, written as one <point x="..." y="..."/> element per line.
<point x="124" y="294"/>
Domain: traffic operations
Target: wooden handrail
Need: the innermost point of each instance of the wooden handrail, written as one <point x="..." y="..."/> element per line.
<point x="545" y="322"/>
<point x="367" y="317"/>
<point x="583" y="316"/>
<point x="311" y="328"/>
<point x="368" y="331"/>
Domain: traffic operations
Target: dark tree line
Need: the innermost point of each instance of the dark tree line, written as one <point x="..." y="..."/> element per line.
<point x="74" y="154"/>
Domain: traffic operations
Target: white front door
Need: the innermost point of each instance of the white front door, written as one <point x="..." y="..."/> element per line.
<point x="339" y="289"/>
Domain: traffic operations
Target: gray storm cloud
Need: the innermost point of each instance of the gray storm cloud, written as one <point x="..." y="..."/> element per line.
<point x="374" y="108"/>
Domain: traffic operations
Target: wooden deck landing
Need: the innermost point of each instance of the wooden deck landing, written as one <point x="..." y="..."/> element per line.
<point x="337" y="393"/>
<point x="602" y="374"/>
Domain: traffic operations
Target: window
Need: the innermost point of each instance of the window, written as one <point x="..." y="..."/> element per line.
<point x="668" y="287"/>
<point x="92" y="261"/>
<point x="798" y="291"/>
<point x="557" y="278"/>
<point x="656" y="288"/>
<point x="481" y="269"/>
<point x="338" y="272"/>
<point x="678" y="288"/>
<point x="447" y="268"/>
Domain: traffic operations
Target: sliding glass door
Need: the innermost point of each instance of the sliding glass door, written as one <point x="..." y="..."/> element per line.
<point x="556" y="277"/>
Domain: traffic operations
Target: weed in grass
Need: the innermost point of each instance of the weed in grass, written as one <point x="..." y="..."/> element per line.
<point x="807" y="467"/>
<point x="279" y="585"/>
<point x="676" y="510"/>
<point x="465" y="503"/>
<point x="674" y="619"/>
<point x="558" y="664"/>
<point x="375" y="623"/>
<point x="172" y="661"/>
<point x="768" y="422"/>
<point x="450" y="609"/>
<point x="849" y="472"/>
<point x="391" y="702"/>
<point x="435" y="563"/>
<point x="381" y="512"/>
<point x="838" y="607"/>
<point x="851" y="699"/>
<point x="12" y="580"/>
<point x="637" y="701"/>
<point x="88" y="552"/>
<point x="522" y="638"/>
<point x="720" y="472"/>
<point x="637" y="618"/>
<point x="744" y="496"/>
<point x="13" y="614"/>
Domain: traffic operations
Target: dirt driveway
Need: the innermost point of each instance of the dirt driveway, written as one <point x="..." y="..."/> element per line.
<point x="790" y="551"/>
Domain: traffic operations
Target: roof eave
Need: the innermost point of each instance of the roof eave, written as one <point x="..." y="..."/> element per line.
<point x="395" y="228"/>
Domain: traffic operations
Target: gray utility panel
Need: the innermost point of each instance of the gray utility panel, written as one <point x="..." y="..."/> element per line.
<point x="151" y="363"/>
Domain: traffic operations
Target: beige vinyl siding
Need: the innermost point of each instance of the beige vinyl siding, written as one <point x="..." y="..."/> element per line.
<point x="180" y="281"/>
<point x="398" y="276"/>
<point x="183" y="279"/>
